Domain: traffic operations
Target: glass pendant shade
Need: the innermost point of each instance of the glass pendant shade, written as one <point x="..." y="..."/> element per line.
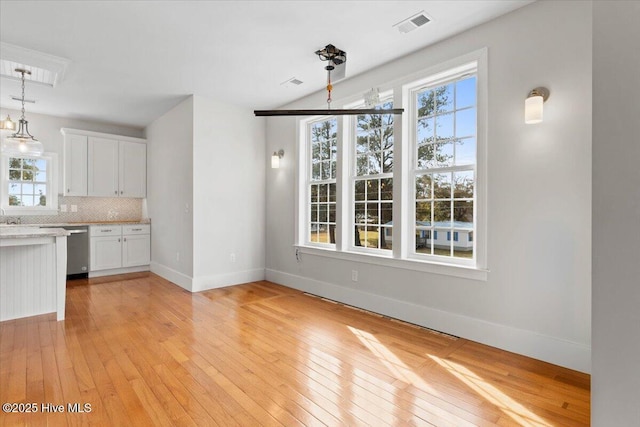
<point x="275" y="161"/>
<point x="7" y="124"/>
<point x="534" y="105"/>
<point x="22" y="148"/>
<point x="22" y="142"/>
<point x="533" y="109"/>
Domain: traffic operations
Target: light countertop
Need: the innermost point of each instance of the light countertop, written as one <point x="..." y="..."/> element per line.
<point x="65" y="224"/>
<point x="27" y="232"/>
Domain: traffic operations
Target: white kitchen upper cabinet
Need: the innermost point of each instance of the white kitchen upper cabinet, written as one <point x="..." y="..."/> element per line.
<point x="133" y="169"/>
<point x="75" y="165"/>
<point x="103" y="167"/>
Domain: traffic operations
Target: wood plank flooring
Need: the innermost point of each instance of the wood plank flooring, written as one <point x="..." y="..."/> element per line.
<point x="141" y="351"/>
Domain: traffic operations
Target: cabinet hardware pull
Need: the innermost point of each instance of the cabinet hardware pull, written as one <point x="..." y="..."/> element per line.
<point x="125" y="239"/>
<point x="136" y="229"/>
<point x="68" y="190"/>
<point x="106" y="231"/>
<point x="121" y="192"/>
<point x="115" y="192"/>
<point x="118" y="239"/>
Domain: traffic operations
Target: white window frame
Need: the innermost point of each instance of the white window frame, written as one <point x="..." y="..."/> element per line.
<point x="305" y="127"/>
<point x="434" y="81"/>
<point x="51" y="207"/>
<point x="350" y="147"/>
<point x="403" y="200"/>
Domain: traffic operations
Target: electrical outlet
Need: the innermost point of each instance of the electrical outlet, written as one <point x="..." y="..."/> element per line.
<point x="232" y="257"/>
<point x="177" y="256"/>
<point x="354" y="275"/>
<point x="63" y="208"/>
<point x="74" y="208"/>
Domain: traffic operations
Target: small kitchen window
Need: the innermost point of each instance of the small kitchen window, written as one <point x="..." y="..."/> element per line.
<point x="29" y="185"/>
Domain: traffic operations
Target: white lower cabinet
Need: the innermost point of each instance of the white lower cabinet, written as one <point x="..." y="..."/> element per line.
<point x="136" y="245"/>
<point x="106" y="253"/>
<point x="119" y="246"/>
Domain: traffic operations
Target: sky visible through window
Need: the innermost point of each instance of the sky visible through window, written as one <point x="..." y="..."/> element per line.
<point x="445" y="168"/>
<point x="27" y="182"/>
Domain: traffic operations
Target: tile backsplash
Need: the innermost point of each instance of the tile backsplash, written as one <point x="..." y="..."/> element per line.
<point x="89" y="209"/>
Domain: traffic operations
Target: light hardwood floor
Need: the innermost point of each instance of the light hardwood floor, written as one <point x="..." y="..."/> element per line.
<point x="142" y="351"/>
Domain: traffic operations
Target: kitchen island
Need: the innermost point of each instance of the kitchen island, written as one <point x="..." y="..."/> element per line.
<point x="33" y="269"/>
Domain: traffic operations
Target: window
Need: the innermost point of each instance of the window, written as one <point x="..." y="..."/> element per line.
<point x="408" y="190"/>
<point x="29" y="185"/>
<point x="373" y="180"/>
<point x="444" y="116"/>
<point x="322" y="181"/>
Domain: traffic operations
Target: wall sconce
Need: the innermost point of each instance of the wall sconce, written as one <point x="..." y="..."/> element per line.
<point x="533" y="105"/>
<point x="7" y="124"/>
<point x="275" y="159"/>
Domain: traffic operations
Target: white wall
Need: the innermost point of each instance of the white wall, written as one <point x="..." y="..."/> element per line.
<point x="616" y="214"/>
<point x="47" y="130"/>
<point x="229" y="195"/>
<point x="206" y="194"/>
<point x="170" y="193"/>
<point x="537" y="298"/>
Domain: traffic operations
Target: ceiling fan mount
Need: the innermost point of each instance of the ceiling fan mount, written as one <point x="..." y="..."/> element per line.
<point x="335" y="58"/>
<point x="332" y="55"/>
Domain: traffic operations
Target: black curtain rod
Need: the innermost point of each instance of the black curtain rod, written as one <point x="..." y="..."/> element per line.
<point x="328" y="112"/>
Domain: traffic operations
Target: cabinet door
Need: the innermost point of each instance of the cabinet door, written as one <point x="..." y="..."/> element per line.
<point x="133" y="169"/>
<point x="136" y="250"/>
<point x="103" y="167"/>
<point x="106" y="252"/>
<point x="75" y="165"/>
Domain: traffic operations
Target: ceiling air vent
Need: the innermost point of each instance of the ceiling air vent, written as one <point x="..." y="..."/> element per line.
<point x="413" y="22"/>
<point x="45" y="69"/>
<point x="291" y="82"/>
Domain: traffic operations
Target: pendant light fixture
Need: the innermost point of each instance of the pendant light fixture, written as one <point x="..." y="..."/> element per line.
<point x="7" y="124"/>
<point x="22" y="142"/>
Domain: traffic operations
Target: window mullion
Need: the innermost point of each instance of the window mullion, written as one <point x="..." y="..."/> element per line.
<point x="401" y="168"/>
<point x="342" y="184"/>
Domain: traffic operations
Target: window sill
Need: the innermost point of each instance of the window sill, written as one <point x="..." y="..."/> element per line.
<point x="28" y="212"/>
<point x="464" y="272"/>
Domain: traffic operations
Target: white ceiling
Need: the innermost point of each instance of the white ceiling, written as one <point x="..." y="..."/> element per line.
<point x="131" y="61"/>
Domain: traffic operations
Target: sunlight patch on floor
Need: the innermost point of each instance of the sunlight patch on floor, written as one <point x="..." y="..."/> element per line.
<point x="396" y="366"/>
<point x="506" y="404"/>
<point x="432" y="412"/>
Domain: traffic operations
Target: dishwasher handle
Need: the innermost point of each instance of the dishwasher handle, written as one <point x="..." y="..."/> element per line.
<point x="77" y="231"/>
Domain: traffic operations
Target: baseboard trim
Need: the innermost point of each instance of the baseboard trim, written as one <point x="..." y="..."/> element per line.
<point x="550" y="349"/>
<point x="172" y="275"/>
<point x="123" y="270"/>
<point x="203" y="283"/>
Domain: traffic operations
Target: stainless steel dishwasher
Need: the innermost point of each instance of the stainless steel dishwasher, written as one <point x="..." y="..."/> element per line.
<point x="77" y="251"/>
